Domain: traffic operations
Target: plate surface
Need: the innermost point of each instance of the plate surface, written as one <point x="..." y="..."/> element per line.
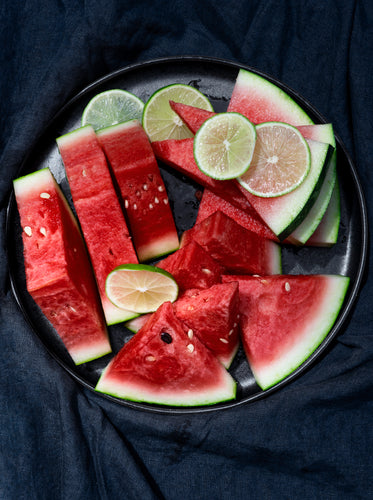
<point x="215" y="78"/>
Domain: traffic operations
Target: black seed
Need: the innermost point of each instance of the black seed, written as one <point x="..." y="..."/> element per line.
<point x="166" y="337"/>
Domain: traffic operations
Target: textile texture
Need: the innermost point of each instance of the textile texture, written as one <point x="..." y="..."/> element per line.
<point x="310" y="440"/>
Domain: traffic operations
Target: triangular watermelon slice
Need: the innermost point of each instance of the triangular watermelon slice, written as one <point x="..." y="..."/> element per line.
<point x="262" y="101"/>
<point x="284" y="319"/>
<point x="162" y="364"/>
<point x="234" y="247"/>
<point x="211" y="314"/>
<point x="59" y="275"/>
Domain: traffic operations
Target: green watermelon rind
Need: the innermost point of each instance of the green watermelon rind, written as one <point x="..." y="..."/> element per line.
<point x="326" y="233"/>
<point x="252" y="82"/>
<point x="210" y="397"/>
<point x="322" y="133"/>
<point x="315" y="335"/>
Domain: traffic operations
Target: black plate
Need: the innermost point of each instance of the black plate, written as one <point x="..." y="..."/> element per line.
<point x="215" y="78"/>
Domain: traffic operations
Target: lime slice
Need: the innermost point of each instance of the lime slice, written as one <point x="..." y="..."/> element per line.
<point x="281" y="161"/>
<point x="224" y="145"/>
<point x="140" y="288"/>
<point x="112" y="107"/>
<point x="160" y="121"/>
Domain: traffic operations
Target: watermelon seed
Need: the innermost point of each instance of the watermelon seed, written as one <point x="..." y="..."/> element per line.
<point x="206" y="271"/>
<point x="138" y="193"/>
<point x="28" y="230"/>
<point x="84" y="173"/>
<point x="225" y="341"/>
<point x="166" y="337"/>
<point x="230" y="332"/>
<point x="160" y="189"/>
<point x="156" y="200"/>
<point x="43" y="231"/>
<point x="145" y="187"/>
<point x="165" y="201"/>
<point x="150" y="206"/>
<point x="134" y="206"/>
<point x="287" y="286"/>
<point x="150" y="358"/>
<point x="126" y="203"/>
<point x="45" y="195"/>
<point x="190" y="334"/>
<point x="190" y="347"/>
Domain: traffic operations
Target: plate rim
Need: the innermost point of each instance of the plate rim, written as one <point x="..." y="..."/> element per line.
<point x="347" y="307"/>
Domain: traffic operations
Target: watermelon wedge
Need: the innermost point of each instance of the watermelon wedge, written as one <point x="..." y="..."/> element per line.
<point x="283" y="214"/>
<point x="143" y="192"/>
<point x="192" y="267"/>
<point x="326" y="233"/>
<point x="322" y="133"/>
<point x="98" y="209"/>
<point x="210" y="314"/>
<point x="234" y="247"/>
<point x="261" y="101"/>
<point x="284" y="319"/>
<point x="162" y="364"/>
<point x="178" y="154"/>
<point x="59" y="276"/>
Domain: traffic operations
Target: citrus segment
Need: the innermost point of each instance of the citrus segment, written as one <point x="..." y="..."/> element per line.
<point x="224" y="146"/>
<point x="112" y="107"/>
<point x="140" y="288"/>
<point x="160" y="121"/>
<point x="281" y="160"/>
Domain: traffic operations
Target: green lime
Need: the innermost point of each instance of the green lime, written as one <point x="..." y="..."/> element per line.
<point x="280" y="163"/>
<point x="112" y="107"/>
<point x="224" y="145"/>
<point x="140" y="288"/>
<point x="160" y="121"/>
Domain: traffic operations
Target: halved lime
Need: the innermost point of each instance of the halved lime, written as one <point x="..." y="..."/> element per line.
<point x="112" y="107"/>
<point x="224" y="145"/>
<point x="140" y="288"/>
<point x="160" y="121"/>
<point x="280" y="163"/>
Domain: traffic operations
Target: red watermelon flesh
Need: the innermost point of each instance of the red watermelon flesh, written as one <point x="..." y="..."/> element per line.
<point x="211" y="203"/>
<point x="234" y="247"/>
<point x="58" y="272"/>
<point x="284" y="319"/>
<point x="98" y="209"/>
<point x="144" y="195"/>
<point x="161" y="364"/>
<point x="192" y="267"/>
<point x="192" y="117"/>
<point x="212" y="315"/>
<point x="261" y="101"/>
<point x="178" y="154"/>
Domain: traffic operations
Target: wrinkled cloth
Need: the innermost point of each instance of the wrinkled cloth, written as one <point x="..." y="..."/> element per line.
<point x="310" y="440"/>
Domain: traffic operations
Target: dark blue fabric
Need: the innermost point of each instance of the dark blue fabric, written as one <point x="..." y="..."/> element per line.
<point x="310" y="440"/>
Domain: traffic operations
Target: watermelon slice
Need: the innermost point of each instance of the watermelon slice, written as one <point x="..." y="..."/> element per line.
<point x="284" y="319"/>
<point x="283" y="214"/>
<point x="234" y="247"/>
<point x="101" y="218"/>
<point x="178" y="154"/>
<point x="322" y="133"/>
<point x="144" y="195"/>
<point x="211" y="314"/>
<point x="326" y="233"/>
<point x="192" y="267"/>
<point x="58" y="272"/>
<point x="162" y="364"/>
<point x="261" y="101"/>
<point x="211" y="203"/>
